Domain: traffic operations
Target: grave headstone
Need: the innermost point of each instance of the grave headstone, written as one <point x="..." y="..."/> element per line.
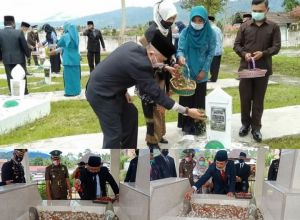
<point x="219" y="111"/>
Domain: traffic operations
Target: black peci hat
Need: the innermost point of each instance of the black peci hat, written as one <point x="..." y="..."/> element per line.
<point x="9" y="18"/>
<point x="242" y="154"/>
<point x="25" y="24"/>
<point x="90" y="23"/>
<point x="221" y="155"/>
<point x="94" y="161"/>
<point x="163" y="45"/>
<point x="211" y="18"/>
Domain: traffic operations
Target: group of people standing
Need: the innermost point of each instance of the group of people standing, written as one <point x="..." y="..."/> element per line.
<point x="16" y="47"/>
<point x="90" y="180"/>
<point x="221" y="176"/>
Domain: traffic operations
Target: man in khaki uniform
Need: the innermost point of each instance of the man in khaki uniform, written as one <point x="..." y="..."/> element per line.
<point x="57" y="179"/>
<point x="187" y="165"/>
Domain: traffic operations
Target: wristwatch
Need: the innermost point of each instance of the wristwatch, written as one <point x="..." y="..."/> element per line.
<point x="186" y="111"/>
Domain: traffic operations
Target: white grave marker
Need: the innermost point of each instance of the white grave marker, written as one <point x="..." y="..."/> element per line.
<point x="281" y="198"/>
<point x="17" y="83"/>
<point x="219" y="111"/>
<point x="47" y="71"/>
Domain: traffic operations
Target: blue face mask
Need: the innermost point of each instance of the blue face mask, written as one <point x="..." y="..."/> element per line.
<point x="258" y="16"/>
<point x="201" y="163"/>
<point x="196" y="26"/>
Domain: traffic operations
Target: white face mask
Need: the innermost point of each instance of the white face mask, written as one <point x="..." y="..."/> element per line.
<point x="258" y="16"/>
<point x="196" y="26"/>
<point x="56" y="162"/>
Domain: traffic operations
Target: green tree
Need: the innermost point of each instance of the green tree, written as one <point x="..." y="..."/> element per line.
<point x="289" y="5"/>
<point x="37" y="161"/>
<point x="212" y="6"/>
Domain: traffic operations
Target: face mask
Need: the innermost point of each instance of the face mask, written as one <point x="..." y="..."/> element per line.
<point x="241" y="160"/>
<point x="165" y="152"/>
<point x="258" y="16"/>
<point x="196" y="26"/>
<point x="188" y="159"/>
<point x="201" y="163"/>
<point x="166" y="24"/>
<point x="18" y="159"/>
<point x="56" y="162"/>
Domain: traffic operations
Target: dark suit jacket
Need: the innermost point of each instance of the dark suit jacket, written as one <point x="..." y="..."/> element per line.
<point x="244" y="174"/>
<point x="220" y="187"/>
<point x="13" y="171"/>
<point x="93" y="44"/>
<point x="163" y="169"/>
<point x="131" y="173"/>
<point x="13" y="46"/>
<point x="273" y="170"/>
<point x="89" y="186"/>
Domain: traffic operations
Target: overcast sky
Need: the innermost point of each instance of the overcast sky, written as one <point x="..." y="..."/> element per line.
<point x="39" y="10"/>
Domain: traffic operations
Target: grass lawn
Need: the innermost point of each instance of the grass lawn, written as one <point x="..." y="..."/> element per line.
<point x="76" y="117"/>
<point x="283" y="65"/>
<point x="291" y="142"/>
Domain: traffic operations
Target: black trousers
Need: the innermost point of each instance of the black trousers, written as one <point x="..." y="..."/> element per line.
<point x="55" y="63"/>
<point x="252" y="95"/>
<point x="214" y="68"/>
<point x="93" y="59"/>
<point x="8" y="69"/>
<point x="195" y="101"/>
<point x="118" y="120"/>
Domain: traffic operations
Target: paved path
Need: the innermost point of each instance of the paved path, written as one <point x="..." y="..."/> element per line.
<point x="277" y="123"/>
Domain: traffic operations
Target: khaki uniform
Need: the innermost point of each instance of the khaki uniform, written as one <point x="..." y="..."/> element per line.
<point x="186" y="170"/>
<point x="57" y="176"/>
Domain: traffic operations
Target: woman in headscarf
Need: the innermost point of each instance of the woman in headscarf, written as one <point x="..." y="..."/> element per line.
<point x="164" y="15"/>
<point x="199" y="170"/>
<point x="195" y="52"/>
<point x="51" y="41"/>
<point x="69" y="45"/>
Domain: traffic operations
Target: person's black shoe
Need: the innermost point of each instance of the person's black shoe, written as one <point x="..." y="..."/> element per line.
<point x="163" y="141"/>
<point x="256" y="135"/>
<point x="244" y="130"/>
<point x="153" y="146"/>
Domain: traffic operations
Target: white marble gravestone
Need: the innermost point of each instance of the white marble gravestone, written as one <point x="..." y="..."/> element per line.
<point x="218" y="108"/>
<point x="47" y="71"/>
<point x="281" y="198"/>
<point x="27" y="110"/>
<point x="17" y="83"/>
<point x="165" y="195"/>
<point x="134" y="197"/>
<point x="15" y="200"/>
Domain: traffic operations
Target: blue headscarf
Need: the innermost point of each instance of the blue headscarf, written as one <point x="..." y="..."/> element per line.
<point x="198" y="38"/>
<point x="71" y="34"/>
